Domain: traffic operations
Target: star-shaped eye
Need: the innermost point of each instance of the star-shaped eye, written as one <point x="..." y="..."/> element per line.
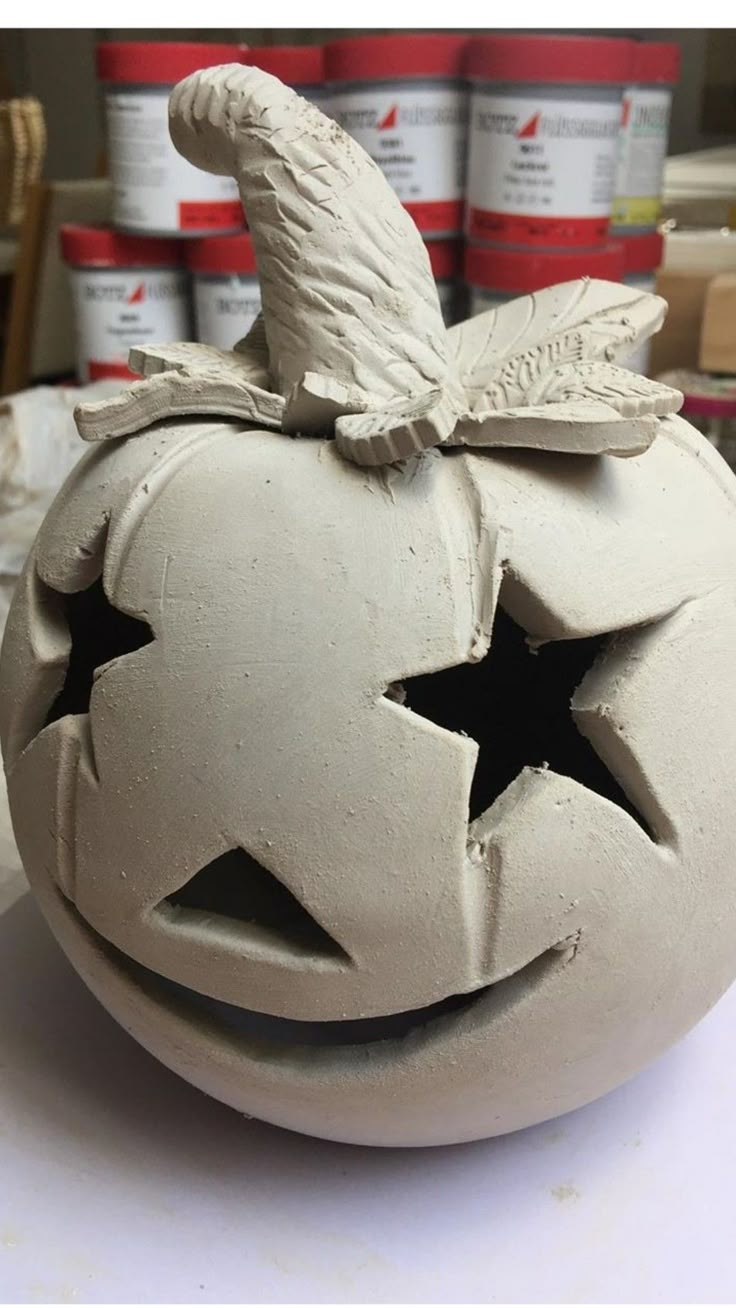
<point x="516" y="704"/>
<point x="99" y="634"/>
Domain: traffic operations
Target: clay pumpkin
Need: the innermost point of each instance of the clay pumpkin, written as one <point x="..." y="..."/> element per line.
<point x="389" y="803"/>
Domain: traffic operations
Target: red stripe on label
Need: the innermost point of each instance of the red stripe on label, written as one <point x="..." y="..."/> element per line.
<point x="529" y="229"/>
<point x="210" y="215"/>
<point x="98" y="371"/>
<point x="434" y="216"/>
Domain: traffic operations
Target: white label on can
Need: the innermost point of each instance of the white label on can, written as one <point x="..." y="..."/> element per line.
<point x="545" y="158"/>
<point x="225" y="309"/>
<point x="116" y="309"/>
<point x="642" y="153"/>
<point x="154" y="188"/>
<point x="415" y="134"/>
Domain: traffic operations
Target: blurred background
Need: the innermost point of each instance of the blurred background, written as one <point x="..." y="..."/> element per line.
<point x="58" y="66"/>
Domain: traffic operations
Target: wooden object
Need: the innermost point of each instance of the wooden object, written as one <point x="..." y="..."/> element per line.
<point x="692" y="259"/>
<point x="699" y="188"/>
<point x="678" y="345"/>
<point x="40" y="336"/>
<point x="22" y="148"/>
<point x="718" y="334"/>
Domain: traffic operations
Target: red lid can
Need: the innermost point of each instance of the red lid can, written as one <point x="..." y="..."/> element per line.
<point x="705" y="396"/>
<point x="445" y="259"/>
<point x="221" y="255"/>
<point x="414" y="54"/>
<point x="708" y="406"/>
<point x="522" y="58"/>
<point x="160" y="62"/>
<point x="101" y="247"/>
<point x="296" y="65"/>
<point x="642" y="254"/>
<point x="656" y="61"/>
<point x="522" y="271"/>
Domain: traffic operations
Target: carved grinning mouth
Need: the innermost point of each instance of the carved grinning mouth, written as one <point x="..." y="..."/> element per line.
<point x="276" y="1035"/>
<point x="355" y="1031"/>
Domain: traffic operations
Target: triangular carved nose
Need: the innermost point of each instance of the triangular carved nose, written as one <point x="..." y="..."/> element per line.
<point x="235" y="887"/>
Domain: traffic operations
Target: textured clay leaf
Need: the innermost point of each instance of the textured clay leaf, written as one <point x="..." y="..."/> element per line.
<point x="177" y="392"/>
<point x="584" y="426"/>
<point x="499" y="357"/>
<point x="375" y="438"/>
<point x="247" y="365"/>
<point x="630" y="394"/>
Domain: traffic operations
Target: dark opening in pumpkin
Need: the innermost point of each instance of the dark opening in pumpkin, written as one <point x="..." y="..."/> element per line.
<point x="516" y="704"/>
<point x="269" y="1035"/>
<point x="99" y="633"/>
<point x="237" y="888"/>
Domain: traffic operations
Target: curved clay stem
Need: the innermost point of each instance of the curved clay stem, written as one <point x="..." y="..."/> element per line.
<point x="347" y="290"/>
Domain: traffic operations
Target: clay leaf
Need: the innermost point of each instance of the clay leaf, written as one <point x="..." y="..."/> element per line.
<point x="585" y="426"/>
<point x="630" y="394"/>
<point x="180" y="380"/>
<point x="246" y="362"/>
<point x="375" y="438"/>
<point x="500" y="357"/>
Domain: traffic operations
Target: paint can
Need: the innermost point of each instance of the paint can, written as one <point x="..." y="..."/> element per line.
<point x="403" y="98"/>
<point x="495" y="275"/>
<point x="644" y="134"/>
<point x="227" y="294"/>
<point x="544" y="125"/>
<point x="126" y="291"/>
<point x="155" y="190"/>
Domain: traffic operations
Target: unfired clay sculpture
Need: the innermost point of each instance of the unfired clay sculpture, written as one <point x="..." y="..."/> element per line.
<point x="388" y="803"/>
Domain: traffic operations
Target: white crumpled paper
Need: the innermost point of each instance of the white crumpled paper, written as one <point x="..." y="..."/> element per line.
<point x="39" y="445"/>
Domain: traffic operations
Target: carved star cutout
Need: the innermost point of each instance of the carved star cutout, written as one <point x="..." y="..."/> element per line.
<point x="99" y="633"/>
<point x="515" y="703"/>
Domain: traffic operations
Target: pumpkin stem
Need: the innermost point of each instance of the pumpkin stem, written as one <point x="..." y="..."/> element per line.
<point x="347" y="291"/>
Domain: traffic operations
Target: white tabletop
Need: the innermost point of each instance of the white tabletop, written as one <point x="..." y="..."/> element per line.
<point x="118" y="1182"/>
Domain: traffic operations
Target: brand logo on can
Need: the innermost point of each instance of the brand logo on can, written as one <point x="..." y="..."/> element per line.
<point x="647" y="118"/>
<point x="416" y="115"/>
<point x="530" y="127"/>
<point x="540" y="124"/>
<point x="116" y="292"/>
<point x="229" y="304"/>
